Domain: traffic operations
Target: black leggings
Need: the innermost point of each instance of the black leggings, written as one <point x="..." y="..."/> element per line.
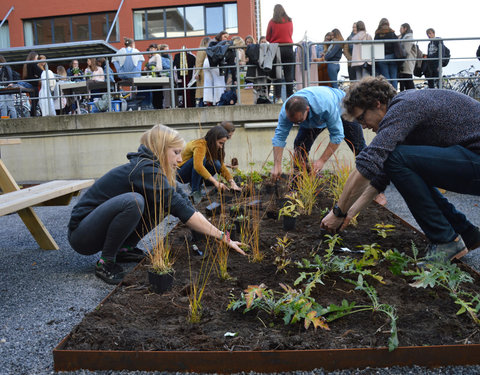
<point x="110" y="226"/>
<point x="288" y="57"/>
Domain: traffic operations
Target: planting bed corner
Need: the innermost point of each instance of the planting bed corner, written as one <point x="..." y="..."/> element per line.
<point x="136" y="329"/>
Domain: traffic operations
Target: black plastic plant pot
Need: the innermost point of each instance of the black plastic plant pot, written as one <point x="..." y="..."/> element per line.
<point x="160" y="282"/>
<point x="213" y="208"/>
<point x="289" y="222"/>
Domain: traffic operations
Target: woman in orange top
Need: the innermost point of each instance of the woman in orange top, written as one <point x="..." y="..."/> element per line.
<point x="203" y="158"/>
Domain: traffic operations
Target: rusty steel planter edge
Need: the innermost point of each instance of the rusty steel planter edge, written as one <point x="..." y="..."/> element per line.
<point x="265" y="361"/>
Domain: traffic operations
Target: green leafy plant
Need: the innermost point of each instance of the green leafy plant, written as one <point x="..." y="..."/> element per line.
<point x="292" y="207"/>
<point x="383" y="229"/>
<point x="386" y="309"/>
<point x="292" y="305"/>
<point x="282" y="260"/>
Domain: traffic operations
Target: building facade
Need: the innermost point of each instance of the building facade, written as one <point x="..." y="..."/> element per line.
<point x="176" y="23"/>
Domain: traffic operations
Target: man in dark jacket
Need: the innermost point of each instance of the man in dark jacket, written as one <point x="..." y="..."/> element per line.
<point x="431" y="65"/>
<point x="425" y="139"/>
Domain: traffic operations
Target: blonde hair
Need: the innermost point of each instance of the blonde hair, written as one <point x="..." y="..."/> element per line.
<point x="158" y="140"/>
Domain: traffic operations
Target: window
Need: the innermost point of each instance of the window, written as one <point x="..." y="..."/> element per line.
<point x="178" y="22"/>
<point x="155" y="24"/>
<point x="175" y="22"/>
<point x="70" y="29"/>
<point x="194" y="24"/>
<point x="214" y="19"/>
<point x="61" y="30"/>
<point x="231" y="20"/>
<point x="4" y="36"/>
<point x="43" y="31"/>
<point x="80" y="27"/>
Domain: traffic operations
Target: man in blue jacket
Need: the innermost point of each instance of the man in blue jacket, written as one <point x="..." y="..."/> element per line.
<point x="425" y="139"/>
<point x="314" y="109"/>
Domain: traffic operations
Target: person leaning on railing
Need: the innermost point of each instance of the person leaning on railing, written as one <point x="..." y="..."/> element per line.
<point x="280" y="30"/>
<point x="130" y="65"/>
<point x="7" y="105"/>
<point x="32" y="73"/>
<point x="406" y="69"/>
<point x="121" y="206"/>
<point x="199" y="73"/>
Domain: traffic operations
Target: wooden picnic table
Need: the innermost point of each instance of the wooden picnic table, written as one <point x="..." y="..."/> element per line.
<point x="21" y="201"/>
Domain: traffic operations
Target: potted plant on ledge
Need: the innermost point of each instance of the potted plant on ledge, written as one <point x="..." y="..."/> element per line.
<point x="160" y="274"/>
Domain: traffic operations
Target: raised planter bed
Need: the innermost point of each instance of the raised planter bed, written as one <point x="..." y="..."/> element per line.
<point x="136" y="329"/>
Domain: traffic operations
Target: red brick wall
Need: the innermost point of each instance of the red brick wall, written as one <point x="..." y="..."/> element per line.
<point x="27" y="9"/>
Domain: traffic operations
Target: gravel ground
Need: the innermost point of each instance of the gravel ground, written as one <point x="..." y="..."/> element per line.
<point x="44" y="294"/>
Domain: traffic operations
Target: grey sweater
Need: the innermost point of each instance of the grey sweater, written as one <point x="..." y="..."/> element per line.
<point x="430" y="117"/>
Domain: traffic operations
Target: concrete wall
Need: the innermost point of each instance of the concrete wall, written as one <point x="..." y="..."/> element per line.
<point x="87" y="146"/>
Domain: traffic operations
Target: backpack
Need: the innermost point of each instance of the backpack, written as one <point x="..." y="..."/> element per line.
<point x="445" y="55"/>
<point x="229" y="97"/>
<point x="417" y="70"/>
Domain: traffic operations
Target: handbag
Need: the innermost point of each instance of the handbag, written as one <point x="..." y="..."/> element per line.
<point x="399" y="51"/>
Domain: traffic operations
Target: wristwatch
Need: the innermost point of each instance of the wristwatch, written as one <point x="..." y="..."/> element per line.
<point x="338" y="212"/>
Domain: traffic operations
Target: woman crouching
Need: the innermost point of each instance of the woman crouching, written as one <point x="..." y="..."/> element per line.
<point x="121" y="206"/>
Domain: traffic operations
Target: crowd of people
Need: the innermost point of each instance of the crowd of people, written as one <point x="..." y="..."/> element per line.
<point x="209" y="77"/>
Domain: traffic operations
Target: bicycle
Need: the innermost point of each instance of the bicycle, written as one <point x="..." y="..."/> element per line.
<point x="467" y="81"/>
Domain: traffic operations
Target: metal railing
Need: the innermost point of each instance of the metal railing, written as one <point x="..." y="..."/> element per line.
<point x="303" y="65"/>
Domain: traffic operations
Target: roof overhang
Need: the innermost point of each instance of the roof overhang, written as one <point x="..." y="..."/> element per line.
<point x="60" y="50"/>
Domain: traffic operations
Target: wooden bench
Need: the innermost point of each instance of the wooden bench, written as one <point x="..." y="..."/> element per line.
<point x="53" y="193"/>
<point x="21" y="201"/>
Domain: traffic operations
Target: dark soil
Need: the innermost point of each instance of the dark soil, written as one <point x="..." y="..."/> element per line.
<point x="135" y="319"/>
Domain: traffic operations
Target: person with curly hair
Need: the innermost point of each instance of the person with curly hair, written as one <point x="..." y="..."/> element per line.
<point x="426" y="139"/>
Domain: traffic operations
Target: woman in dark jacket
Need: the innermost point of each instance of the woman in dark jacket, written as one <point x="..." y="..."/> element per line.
<point x="388" y="69"/>
<point x="122" y="206"/>
<point x="32" y="73"/>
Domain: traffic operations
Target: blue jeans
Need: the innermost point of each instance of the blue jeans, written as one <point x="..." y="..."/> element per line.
<point x="332" y="70"/>
<point x="187" y="173"/>
<point x="306" y="137"/>
<point x="110" y="226"/>
<point x="389" y="69"/>
<point x="416" y="171"/>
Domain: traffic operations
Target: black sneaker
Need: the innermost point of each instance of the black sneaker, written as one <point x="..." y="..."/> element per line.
<point x="472" y="238"/>
<point x="109" y="271"/>
<point x="129" y="254"/>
